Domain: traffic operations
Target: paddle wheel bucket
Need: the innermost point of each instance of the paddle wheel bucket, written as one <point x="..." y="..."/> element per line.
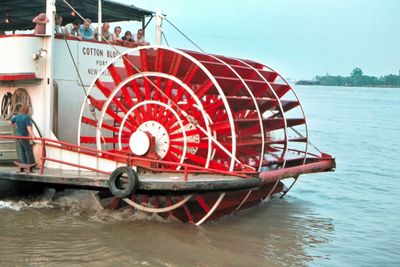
<point x="190" y="107"/>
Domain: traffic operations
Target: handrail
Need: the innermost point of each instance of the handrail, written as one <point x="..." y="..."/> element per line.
<point x="326" y="162"/>
<point x="20" y="35"/>
<point x="136" y="161"/>
<point x="118" y="42"/>
<point x="121" y="43"/>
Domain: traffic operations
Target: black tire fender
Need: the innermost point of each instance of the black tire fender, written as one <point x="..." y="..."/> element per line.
<point x="123" y="190"/>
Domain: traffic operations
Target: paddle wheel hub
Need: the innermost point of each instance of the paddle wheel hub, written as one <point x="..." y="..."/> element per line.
<point x="141" y="139"/>
<point x="139" y="142"/>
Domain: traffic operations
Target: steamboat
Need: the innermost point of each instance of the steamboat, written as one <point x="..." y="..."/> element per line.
<point x="184" y="134"/>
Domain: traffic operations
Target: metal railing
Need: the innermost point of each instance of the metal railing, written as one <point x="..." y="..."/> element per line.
<point x="144" y="163"/>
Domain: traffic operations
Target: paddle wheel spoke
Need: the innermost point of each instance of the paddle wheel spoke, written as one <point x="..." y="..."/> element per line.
<point x="192" y="71"/>
<point x="142" y="114"/>
<point x="133" y="84"/>
<point x="114" y="129"/>
<point x="104" y="88"/>
<point x="129" y="66"/>
<point x="169" y="122"/>
<point x="188" y="214"/>
<point x="202" y="204"/>
<point x="157" y="112"/>
<point x="115" y="203"/>
<point x="159" y="60"/>
<point x="147" y="88"/>
<point x="145" y="201"/>
<point x="173" y="128"/>
<point x="169" y="202"/>
<point x="176" y="135"/>
<point x="131" y="124"/>
<point x="171" y="157"/>
<point x="156" y="93"/>
<point x="143" y="60"/>
<point x="114" y="74"/>
<point x="156" y="202"/>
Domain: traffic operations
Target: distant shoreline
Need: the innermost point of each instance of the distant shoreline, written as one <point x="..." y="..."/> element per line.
<point x="356" y="79"/>
<point x="350" y="86"/>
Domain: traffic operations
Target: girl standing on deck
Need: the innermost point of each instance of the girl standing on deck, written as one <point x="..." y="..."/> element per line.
<point x="23" y="124"/>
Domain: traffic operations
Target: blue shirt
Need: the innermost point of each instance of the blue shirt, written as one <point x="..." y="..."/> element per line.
<point x="87" y="34"/>
<point x="22" y="121"/>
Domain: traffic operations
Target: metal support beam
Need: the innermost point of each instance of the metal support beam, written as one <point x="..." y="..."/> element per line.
<point x="99" y="20"/>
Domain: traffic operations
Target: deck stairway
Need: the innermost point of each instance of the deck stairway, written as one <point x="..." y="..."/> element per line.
<point x="8" y="147"/>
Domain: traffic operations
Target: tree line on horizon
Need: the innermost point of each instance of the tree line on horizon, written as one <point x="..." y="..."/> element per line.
<point x="357" y="78"/>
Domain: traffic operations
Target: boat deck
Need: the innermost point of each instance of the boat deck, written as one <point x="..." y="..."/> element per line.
<point x="147" y="181"/>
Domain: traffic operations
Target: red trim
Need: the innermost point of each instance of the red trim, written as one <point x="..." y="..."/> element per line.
<point x="325" y="164"/>
<point x="20" y="35"/>
<point x="118" y="43"/>
<point x="136" y="161"/>
<point x="71" y="38"/>
<point x="17" y="76"/>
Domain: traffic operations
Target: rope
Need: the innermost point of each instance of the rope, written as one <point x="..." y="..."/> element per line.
<point x="165" y="38"/>
<point x="309" y="142"/>
<point x="76" y="67"/>
<point x="184" y="35"/>
<point x="11" y="103"/>
<point x="91" y="107"/>
<point x="5" y="104"/>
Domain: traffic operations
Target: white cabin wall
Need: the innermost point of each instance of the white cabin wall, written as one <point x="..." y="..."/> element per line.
<point x="16" y="55"/>
<point x="17" y="59"/>
<point x="90" y="58"/>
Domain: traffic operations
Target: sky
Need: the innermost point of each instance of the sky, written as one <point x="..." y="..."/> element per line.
<point x="298" y="38"/>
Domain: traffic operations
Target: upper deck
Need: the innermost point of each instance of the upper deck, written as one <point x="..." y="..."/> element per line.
<point x="18" y="14"/>
<point x="21" y="53"/>
<point x="21" y="59"/>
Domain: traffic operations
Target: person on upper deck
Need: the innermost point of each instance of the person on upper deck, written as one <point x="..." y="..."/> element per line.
<point x="105" y="33"/>
<point x="139" y="38"/>
<point x="40" y="21"/>
<point x="116" y="36"/>
<point x="23" y="124"/>
<point x="127" y="37"/>
<point x="72" y="29"/>
<point x="58" y="30"/>
<point x="86" y="30"/>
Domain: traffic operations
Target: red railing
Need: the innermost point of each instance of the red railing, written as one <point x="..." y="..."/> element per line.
<point x="129" y="160"/>
<point x="72" y="38"/>
<point x="326" y="162"/>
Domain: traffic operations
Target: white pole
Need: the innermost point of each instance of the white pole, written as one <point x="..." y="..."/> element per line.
<point x="100" y="18"/>
<point x="159" y="30"/>
<point x="50" y="14"/>
<point x="48" y="44"/>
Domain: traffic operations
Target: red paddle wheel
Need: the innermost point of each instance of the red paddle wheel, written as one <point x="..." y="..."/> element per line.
<point x="206" y="110"/>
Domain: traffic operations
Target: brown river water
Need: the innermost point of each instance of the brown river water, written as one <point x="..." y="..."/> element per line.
<point x="350" y="217"/>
